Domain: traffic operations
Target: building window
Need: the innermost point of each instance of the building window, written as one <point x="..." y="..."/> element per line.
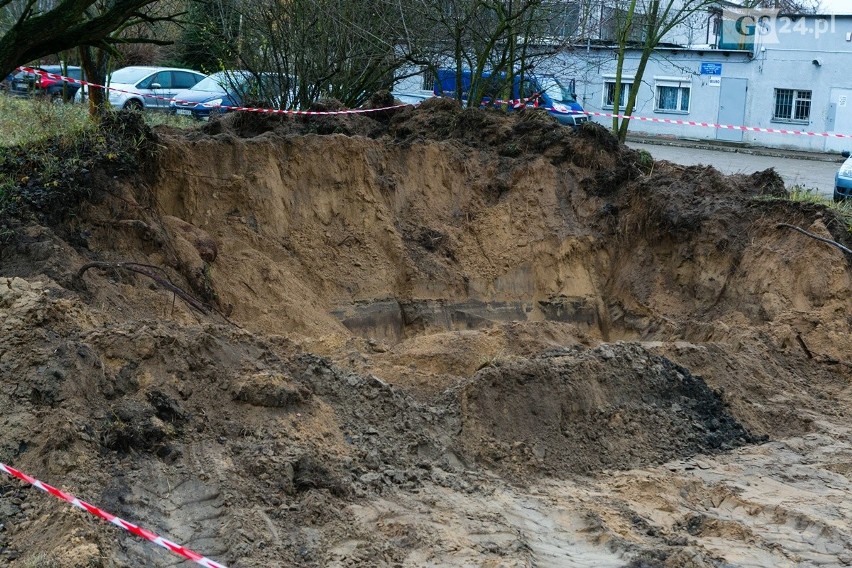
<point x="672" y="95"/>
<point x="609" y="94"/>
<point x="792" y="105"/>
<point x="428" y="79"/>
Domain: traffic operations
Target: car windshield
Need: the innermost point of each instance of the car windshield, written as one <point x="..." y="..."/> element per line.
<point x="129" y="75"/>
<point x="73" y="72"/>
<point x="222" y="82"/>
<point x="846" y="169"/>
<point x="556" y="90"/>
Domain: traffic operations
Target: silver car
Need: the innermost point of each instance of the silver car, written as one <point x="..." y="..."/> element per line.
<point x="149" y="87"/>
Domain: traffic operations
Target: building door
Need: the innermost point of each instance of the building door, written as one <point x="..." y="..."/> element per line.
<point x="839" y="120"/>
<point x="732" y="102"/>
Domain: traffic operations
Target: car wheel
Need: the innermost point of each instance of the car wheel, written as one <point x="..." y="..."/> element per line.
<point x="134" y="105"/>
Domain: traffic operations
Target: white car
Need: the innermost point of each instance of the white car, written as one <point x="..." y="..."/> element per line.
<point x="412" y="98"/>
<point x="149" y="87"/>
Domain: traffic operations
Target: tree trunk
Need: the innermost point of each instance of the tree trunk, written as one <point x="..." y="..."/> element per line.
<point x="623" y="37"/>
<point x="631" y="99"/>
<point x="94" y="62"/>
<point x="651" y="41"/>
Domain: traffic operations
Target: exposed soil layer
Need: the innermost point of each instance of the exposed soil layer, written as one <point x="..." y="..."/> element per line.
<point x="435" y="337"/>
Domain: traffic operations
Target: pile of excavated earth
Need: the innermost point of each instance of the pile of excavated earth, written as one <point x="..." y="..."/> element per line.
<point x="428" y="337"/>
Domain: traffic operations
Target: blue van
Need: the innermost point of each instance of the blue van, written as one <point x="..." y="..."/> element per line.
<point x="542" y="91"/>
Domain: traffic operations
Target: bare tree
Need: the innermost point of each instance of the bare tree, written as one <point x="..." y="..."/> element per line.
<point x="36" y="28"/>
<point x="143" y="27"/>
<point x="347" y="50"/>
<point x="489" y="43"/>
<point x="315" y="48"/>
<point x="653" y="19"/>
<point x="212" y="35"/>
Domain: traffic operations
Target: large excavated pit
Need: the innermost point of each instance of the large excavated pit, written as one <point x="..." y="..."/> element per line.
<point x="434" y="338"/>
<point x="393" y="240"/>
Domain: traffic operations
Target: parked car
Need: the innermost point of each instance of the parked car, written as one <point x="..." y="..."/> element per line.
<point x="218" y="92"/>
<point x="28" y="83"/>
<point x="546" y="91"/>
<point x="149" y="87"/>
<point x="411" y="98"/>
<point x="7" y="80"/>
<point x="843" y="179"/>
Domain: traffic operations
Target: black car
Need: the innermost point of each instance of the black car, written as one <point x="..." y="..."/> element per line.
<point x="28" y="84"/>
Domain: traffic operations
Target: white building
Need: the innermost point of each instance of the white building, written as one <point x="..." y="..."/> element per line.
<point x="743" y="69"/>
<point x="792" y="74"/>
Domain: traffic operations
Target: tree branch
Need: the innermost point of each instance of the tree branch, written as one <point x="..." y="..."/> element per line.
<point x="124" y="40"/>
<point x="65" y="26"/>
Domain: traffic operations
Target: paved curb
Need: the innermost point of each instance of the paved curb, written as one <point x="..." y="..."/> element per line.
<point x="737" y="148"/>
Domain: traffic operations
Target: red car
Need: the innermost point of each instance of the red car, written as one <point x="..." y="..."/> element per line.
<point x="27" y="83"/>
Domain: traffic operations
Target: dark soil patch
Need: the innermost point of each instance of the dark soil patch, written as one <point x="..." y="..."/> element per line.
<point x="580" y="411"/>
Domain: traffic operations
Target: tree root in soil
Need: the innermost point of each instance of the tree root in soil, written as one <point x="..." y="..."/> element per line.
<point x="146" y="270"/>
<point x="817" y="237"/>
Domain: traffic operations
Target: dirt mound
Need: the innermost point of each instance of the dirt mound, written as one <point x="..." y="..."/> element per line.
<point x="118" y="410"/>
<point x="615" y="407"/>
<point x="436" y="336"/>
<point x="249" y="125"/>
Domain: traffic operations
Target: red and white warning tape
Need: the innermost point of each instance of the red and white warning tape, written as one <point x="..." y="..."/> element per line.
<point x="711" y="125"/>
<point x="520" y="102"/>
<point x="137" y="530"/>
<point x="514" y="103"/>
<point x="517" y="103"/>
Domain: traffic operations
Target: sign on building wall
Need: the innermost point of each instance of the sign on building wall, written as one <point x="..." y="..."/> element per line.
<point x="714" y="73"/>
<point x="711" y="69"/>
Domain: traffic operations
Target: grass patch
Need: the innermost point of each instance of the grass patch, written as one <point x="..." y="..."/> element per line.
<point x="804" y="194"/>
<point x="801" y="194"/>
<point x="153" y="119"/>
<point x="810" y="195"/>
<point x="46" y="178"/>
<point x="49" y="153"/>
<point x="844" y="211"/>
<point x="24" y="122"/>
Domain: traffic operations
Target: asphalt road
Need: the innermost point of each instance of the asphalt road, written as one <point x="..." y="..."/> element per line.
<point x="807" y="173"/>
